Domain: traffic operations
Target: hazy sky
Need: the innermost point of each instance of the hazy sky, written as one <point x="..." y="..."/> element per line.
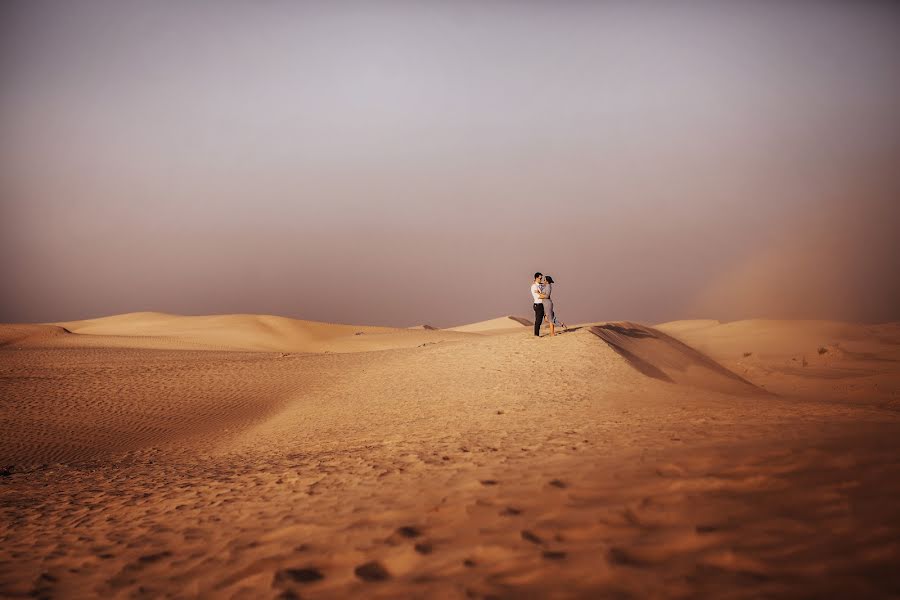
<point x="415" y="162"/>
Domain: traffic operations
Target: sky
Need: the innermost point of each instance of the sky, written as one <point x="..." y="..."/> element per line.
<point x="399" y="163"/>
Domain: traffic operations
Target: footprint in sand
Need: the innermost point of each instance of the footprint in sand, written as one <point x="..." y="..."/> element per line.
<point x="531" y="537"/>
<point x="424" y="548"/>
<point x="152" y="558"/>
<point x="409" y="531"/>
<point x="623" y="557"/>
<point x="304" y="575"/>
<point x="372" y="571"/>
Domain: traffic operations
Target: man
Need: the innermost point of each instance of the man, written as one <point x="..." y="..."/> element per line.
<point x="537" y="294"/>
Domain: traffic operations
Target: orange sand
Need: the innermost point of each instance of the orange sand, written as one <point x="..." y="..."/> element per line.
<point x="245" y="456"/>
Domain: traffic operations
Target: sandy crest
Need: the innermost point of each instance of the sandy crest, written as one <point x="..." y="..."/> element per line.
<point x="493" y="326"/>
<point x="477" y="466"/>
<point x="255" y="333"/>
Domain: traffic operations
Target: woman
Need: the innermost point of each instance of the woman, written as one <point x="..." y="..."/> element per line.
<point x="548" y="305"/>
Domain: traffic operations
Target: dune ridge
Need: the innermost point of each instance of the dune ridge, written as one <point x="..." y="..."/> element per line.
<point x="662" y="356"/>
<point x="229" y="332"/>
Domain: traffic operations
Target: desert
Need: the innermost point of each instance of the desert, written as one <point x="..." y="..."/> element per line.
<point x="252" y="456"/>
<point x="389" y="299"/>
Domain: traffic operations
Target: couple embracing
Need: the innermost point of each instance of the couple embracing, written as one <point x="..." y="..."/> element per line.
<point x="541" y="290"/>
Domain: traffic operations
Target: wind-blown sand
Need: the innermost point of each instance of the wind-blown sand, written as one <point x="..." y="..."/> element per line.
<point x="246" y="456"/>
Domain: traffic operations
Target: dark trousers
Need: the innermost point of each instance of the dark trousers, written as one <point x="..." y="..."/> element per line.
<point x="538" y="318"/>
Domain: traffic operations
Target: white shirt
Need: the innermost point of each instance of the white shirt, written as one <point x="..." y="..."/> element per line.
<point x="536" y="290"/>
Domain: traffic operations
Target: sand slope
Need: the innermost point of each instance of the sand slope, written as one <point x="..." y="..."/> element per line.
<point x="28" y="334"/>
<point x="480" y="465"/>
<point x="661" y="356"/>
<point x="500" y="324"/>
<point x="772" y="338"/>
<point x="798" y="357"/>
<point x="260" y="333"/>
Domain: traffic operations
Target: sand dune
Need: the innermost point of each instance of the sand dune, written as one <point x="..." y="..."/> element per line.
<point x="470" y="464"/>
<point x="259" y="333"/>
<point x="240" y="332"/>
<point x="779" y="338"/>
<point x="798" y="357"/>
<point x="15" y="334"/>
<point x="661" y="356"/>
<point x="500" y="324"/>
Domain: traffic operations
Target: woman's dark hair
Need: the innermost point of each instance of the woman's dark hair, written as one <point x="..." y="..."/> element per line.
<point x="549" y="279"/>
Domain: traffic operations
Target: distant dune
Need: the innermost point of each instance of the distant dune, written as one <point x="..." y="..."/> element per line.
<point x="244" y="332"/>
<point x="493" y="325"/>
<point x="234" y="332"/>
<point x="774" y="338"/>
